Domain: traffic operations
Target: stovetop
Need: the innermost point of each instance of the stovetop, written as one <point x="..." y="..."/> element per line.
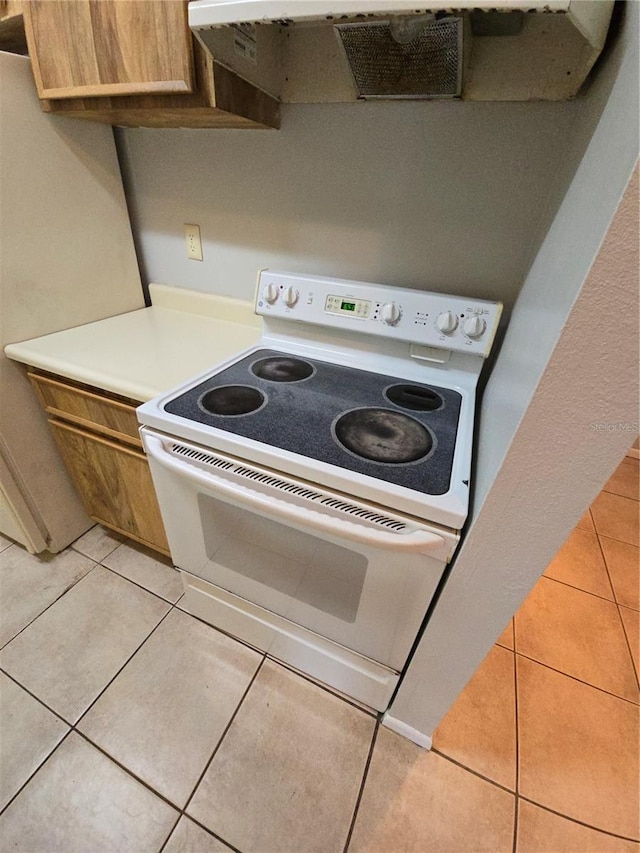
<point x="389" y="428"/>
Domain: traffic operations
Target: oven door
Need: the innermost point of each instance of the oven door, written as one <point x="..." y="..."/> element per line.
<point x="346" y="571"/>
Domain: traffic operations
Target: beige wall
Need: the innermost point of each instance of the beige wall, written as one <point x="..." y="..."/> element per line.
<point x="66" y="258"/>
<point x="449" y="196"/>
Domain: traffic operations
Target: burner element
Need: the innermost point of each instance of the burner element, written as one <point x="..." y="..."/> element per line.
<point x="383" y="435"/>
<point x="415" y="397"/>
<point x="282" y="369"/>
<point x="232" y="400"/>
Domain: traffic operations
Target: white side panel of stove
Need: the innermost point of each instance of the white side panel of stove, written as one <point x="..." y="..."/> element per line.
<point x="419" y="310"/>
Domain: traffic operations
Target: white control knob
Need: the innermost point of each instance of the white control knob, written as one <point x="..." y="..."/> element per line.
<point x="290" y="296"/>
<point x="390" y="313"/>
<point x="447" y="322"/>
<point x="270" y="293"/>
<point x="474" y="326"/>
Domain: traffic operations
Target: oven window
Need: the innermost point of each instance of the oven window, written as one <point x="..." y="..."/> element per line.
<point x="273" y="565"/>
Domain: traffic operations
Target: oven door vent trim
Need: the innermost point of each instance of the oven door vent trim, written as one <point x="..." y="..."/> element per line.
<point x="314" y="496"/>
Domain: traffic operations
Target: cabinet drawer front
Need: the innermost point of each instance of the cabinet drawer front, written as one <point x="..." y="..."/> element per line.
<point x="114" y="483"/>
<point x="98" y="413"/>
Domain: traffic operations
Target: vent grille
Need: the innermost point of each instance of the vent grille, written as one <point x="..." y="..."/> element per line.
<point x="199" y="456"/>
<point x="429" y="66"/>
<point x="307" y="494"/>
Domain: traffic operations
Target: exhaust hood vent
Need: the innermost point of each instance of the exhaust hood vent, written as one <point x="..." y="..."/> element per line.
<point x="340" y="51"/>
<point x="427" y="66"/>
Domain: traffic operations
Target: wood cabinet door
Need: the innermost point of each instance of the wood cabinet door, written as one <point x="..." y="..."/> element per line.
<point x="115" y="484"/>
<point x="93" y="48"/>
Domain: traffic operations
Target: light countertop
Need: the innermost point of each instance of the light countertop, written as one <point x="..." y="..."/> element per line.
<point x="143" y="353"/>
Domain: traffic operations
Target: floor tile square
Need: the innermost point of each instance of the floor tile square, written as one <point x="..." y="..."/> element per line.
<point x="29" y="584"/>
<point x="579" y="563"/>
<point x="287" y="774"/>
<point x="166" y="711"/>
<point x="28" y="733"/>
<point x="578" y="749"/>
<point x="623" y="562"/>
<point x="617" y="517"/>
<point x="506" y="639"/>
<point x="625" y="480"/>
<point x="540" y="831"/>
<point x="416" y="801"/>
<point x="81" y="802"/>
<point x="151" y="571"/>
<point x="479" y="731"/>
<point x="578" y="634"/>
<point x="188" y="837"/>
<point x="71" y="652"/>
<point x="98" y="542"/>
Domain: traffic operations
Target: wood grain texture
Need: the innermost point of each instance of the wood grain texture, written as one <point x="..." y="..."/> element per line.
<point x="221" y="99"/>
<point x="93" y="410"/>
<point x="85" y="48"/>
<point x="115" y="484"/>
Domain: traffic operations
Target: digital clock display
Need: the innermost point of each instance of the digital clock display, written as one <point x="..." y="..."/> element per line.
<point x="357" y="309"/>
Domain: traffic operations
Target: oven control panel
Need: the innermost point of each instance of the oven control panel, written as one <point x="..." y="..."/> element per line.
<point x="432" y="319"/>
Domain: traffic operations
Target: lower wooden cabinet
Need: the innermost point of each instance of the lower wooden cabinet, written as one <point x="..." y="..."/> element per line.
<point x="98" y="438"/>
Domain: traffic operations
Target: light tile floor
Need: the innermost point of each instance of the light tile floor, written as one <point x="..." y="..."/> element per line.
<point x="129" y="726"/>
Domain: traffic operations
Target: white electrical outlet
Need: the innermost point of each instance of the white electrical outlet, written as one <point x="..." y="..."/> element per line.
<point x="194" y="245"/>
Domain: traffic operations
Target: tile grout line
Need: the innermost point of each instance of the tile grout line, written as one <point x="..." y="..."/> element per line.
<point x="36" y="771"/>
<point x="126" y="663"/>
<point x="183" y="810"/>
<point x="580" y="680"/>
<point x="618" y="495"/>
<point x="206" y="829"/>
<point x="576" y="820"/>
<point x="617" y="603"/>
<point x="62" y="594"/>
<point x="519" y="796"/>
<point x="580" y="589"/>
<point x="626" y="636"/>
<point x="365" y="773"/>
<point x="223" y="735"/>
<point x="139" y="585"/>
<point x="619" y="541"/>
<point x="37" y="698"/>
<point x="123" y="767"/>
<point x="613" y="538"/>
<point x="171" y="831"/>
<point x="473" y="772"/>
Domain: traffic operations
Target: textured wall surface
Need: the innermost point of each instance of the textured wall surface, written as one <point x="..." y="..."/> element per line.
<point x="447" y="196"/>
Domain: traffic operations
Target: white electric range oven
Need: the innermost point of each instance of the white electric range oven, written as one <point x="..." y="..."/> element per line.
<point x="313" y="487"/>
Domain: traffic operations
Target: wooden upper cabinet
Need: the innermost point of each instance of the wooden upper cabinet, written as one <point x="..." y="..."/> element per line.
<point x="104" y="48"/>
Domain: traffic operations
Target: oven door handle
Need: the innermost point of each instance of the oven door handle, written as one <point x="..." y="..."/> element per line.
<point x="278" y="509"/>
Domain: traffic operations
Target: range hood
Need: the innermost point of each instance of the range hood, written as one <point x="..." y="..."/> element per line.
<point x="314" y="51"/>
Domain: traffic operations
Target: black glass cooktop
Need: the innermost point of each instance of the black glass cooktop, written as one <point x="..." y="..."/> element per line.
<point x="381" y="426"/>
